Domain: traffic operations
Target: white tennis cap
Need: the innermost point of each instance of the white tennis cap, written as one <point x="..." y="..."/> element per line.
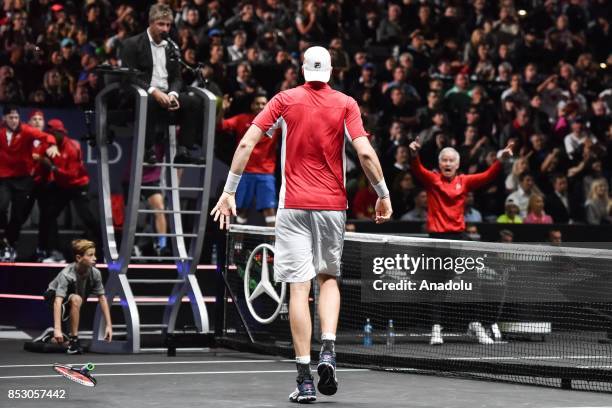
<point x="317" y="64"/>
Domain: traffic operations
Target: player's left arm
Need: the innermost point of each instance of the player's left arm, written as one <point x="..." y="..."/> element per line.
<point x="226" y="206"/>
<point x="108" y="332"/>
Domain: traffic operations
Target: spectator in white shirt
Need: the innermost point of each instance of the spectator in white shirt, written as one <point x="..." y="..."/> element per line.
<point x="523" y="193"/>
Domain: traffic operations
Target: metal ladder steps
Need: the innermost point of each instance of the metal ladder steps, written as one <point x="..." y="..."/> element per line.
<point x="150" y="300"/>
<point x="156" y="281"/>
<point x="171" y="188"/>
<point x="122" y="334"/>
<point x="177" y="165"/>
<point x="155" y="234"/>
<point x="169" y="212"/>
<point x="142" y="326"/>
<point x="161" y="258"/>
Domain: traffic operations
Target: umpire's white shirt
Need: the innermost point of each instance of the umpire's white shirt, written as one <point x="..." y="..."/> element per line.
<point x="159" y="79"/>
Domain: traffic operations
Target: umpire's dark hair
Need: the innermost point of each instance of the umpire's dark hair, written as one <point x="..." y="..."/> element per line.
<point x="8" y="108"/>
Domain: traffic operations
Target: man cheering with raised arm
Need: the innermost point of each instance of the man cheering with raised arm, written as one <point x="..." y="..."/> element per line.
<point x="446" y="194"/>
<point x="310" y="224"/>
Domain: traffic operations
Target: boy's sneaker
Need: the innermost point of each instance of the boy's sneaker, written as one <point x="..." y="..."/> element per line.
<point x="328" y="383"/>
<point x="74" y="347"/>
<point x="304" y="393"/>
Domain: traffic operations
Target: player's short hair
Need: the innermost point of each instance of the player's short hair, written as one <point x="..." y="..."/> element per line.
<point x="450" y="150"/>
<point x="160" y="12"/>
<point x="81" y="246"/>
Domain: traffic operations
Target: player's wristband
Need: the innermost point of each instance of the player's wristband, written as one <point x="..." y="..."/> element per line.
<point x="381" y="189"/>
<point x="231" y="184"/>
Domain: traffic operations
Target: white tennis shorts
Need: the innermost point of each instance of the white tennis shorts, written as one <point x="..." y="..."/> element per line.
<point x="308" y="242"/>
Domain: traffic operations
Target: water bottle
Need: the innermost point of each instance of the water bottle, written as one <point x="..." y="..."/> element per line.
<point x="390" y="333"/>
<point x="367" y="333"/>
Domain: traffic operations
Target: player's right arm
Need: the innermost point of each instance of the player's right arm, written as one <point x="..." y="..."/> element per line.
<point x="371" y="166"/>
<point x="226" y="206"/>
<point x="263" y="122"/>
<point x="57" y="319"/>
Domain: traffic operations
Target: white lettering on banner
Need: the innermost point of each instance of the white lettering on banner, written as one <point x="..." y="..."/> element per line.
<point x="112" y="158"/>
<point x="407" y="285"/>
<point x="413" y="264"/>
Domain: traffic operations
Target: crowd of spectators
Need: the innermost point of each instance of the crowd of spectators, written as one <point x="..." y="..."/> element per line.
<point x="468" y="74"/>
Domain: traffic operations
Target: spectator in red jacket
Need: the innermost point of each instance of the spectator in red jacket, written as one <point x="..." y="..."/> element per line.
<point x="70" y="184"/>
<point x="446" y="195"/>
<point x="16" y="144"/>
<point x="258" y="182"/>
<point x="41" y="177"/>
<point x="447" y="190"/>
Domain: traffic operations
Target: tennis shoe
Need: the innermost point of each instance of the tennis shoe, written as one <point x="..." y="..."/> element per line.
<point x="436" y="335"/>
<point x="476" y="330"/>
<point x="304" y="392"/>
<point x="74" y="347"/>
<point x="328" y="382"/>
<point x="496" y="333"/>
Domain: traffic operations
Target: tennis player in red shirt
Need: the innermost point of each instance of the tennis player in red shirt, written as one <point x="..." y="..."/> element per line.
<point x="315" y="121"/>
<point x="16" y="145"/>
<point x="446" y="195"/>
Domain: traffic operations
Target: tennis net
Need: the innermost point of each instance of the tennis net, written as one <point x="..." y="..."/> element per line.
<point x="551" y="305"/>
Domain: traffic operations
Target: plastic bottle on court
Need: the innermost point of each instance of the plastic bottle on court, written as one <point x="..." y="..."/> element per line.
<point x="390" y="333"/>
<point x="367" y="333"/>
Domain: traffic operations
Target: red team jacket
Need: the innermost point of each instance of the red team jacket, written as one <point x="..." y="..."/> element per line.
<point x="71" y="171"/>
<point x="263" y="158"/>
<point x="41" y="173"/>
<point x="16" y="159"/>
<point x="446" y="199"/>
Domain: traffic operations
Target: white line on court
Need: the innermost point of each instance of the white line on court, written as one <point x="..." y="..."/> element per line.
<point x="527" y="358"/>
<point x="16" y="377"/>
<point x="154" y="363"/>
<point x="603" y="366"/>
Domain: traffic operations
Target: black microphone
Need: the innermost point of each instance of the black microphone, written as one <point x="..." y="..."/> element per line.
<point x="166" y="36"/>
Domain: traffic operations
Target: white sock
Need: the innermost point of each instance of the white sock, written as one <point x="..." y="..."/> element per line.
<point x="328" y="336"/>
<point x="302" y="359"/>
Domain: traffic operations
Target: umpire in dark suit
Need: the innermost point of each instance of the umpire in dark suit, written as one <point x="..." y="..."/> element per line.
<point x="150" y="53"/>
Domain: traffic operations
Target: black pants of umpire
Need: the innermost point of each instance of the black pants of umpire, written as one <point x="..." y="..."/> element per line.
<point x="58" y="199"/>
<point x="189" y="117"/>
<point x="16" y="192"/>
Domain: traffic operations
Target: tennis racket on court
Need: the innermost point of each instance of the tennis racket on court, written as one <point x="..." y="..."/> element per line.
<point x="78" y="375"/>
